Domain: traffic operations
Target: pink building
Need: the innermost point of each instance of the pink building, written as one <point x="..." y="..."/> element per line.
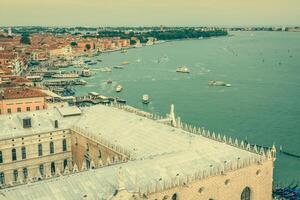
<point x="21" y="99"/>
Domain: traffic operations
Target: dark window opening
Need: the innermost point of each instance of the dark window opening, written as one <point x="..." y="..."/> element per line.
<point x="13" y="154"/>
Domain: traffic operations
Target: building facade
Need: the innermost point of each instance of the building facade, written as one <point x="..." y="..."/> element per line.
<point x="121" y="153"/>
<point x="21" y="99"/>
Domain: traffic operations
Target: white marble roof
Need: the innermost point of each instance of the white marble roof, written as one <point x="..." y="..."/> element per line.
<point x="158" y="151"/>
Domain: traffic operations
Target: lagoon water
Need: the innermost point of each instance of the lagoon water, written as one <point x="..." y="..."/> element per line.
<point x="262" y="106"/>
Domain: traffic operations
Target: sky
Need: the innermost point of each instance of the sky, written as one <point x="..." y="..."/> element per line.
<point x="150" y="12"/>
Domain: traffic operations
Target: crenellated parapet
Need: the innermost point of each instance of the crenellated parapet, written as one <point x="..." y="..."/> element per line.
<point x="171" y="120"/>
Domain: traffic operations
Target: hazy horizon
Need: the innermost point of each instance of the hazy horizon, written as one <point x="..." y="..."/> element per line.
<point x="95" y="13"/>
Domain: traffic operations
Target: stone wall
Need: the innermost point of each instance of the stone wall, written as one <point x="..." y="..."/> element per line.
<point x="84" y="148"/>
<point x="225" y="187"/>
<point x="33" y="161"/>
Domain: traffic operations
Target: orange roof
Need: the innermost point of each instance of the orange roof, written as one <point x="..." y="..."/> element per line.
<point x="19" y="93"/>
<point x="20" y="79"/>
<point x="5" y="70"/>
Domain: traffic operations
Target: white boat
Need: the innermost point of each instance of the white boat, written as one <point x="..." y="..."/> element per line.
<point x="145" y="99"/>
<point x="119" y="88"/>
<point x="124" y="51"/>
<point x="104" y="69"/>
<point x="78" y="62"/>
<point x="65" y="75"/>
<point x="36" y="78"/>
<point x="183" y="69"/>
<point x="218" y="83"/>
<point x="86" y="72"/>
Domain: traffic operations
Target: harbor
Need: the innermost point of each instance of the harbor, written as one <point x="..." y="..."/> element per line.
<point x="196" y="84"/>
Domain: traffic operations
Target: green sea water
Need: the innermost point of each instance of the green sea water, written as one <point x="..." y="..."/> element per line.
<point x="262" y="106"/>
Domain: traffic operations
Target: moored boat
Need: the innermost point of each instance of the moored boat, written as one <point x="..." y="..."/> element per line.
<point x="86" y="72"/>
<point x="65" y="75"/>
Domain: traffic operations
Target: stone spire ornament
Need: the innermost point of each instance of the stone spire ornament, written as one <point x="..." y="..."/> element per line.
<point x="121" y="183"/>
<point x="75" y="168"/>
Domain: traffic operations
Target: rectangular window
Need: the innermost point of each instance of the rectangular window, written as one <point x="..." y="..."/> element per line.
<point x="40" y="150"/>
<point x="25" y="173"/>
<point x="37" y="108"/>
<point x="18" y="109"/>
<point x="9" y="110"/>
<point x="27" y="108"/>
<point x="2" y="178"/>
<point x="41" y="168"/>
<point x="15" y="175"/>
<point x="1" y="158"/>
<point x="23" y="152"/>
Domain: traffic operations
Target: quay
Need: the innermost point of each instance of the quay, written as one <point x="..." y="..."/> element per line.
<point x="94" y="99"/>
<point x="64" y="82"/>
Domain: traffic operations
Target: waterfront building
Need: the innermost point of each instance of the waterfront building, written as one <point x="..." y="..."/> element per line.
<point x="121" y="153"/>
<point x="21" y="99"/>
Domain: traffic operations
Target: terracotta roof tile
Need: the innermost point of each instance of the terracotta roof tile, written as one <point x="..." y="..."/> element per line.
<point x="19" y="93"/>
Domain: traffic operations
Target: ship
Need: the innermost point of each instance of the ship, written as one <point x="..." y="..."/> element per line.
<point x="65" y="75"/>
<point x="124" y="51"/>
<point x="78" y="63"/>
<point x="145" y="99"/>
<point x="109" y="81"/>
<point x="218" y="83"/>
<point x="119" y="88"/>
<point x="183" y="69"/>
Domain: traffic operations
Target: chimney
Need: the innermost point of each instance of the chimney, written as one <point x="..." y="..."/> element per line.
<point x="56" y="123"/>
<point x="27" y="122"/>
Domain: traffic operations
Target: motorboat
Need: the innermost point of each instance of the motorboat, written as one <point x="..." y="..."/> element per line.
<point x="86" y="72"/>
<point x="119" y="88"/>
<point x="218" y="83"/>
<point x="118" y="67"/>
<point x="145" y="98"/>
<point x="183" y="69"/>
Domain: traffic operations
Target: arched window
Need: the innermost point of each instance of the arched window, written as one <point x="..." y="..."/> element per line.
<point x="23" y="152"/>
<point x="65" y="163"/>
<point x="1" y="158"/>
<point x="52" y="168"/>
<point x="51" y="147"/>
<point x="99" y="156"/>
<point x="40" y="149"/>
<point x="41" y="168"/>
<point x="174" y="197"/>
<point x="2" y="178"/>
<point x="15" y="174"/>
<point x="246" y="194"/>
<point x="25" y="173"/>
<point x="13" y="154"/>
<point x="64" y="144"/>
